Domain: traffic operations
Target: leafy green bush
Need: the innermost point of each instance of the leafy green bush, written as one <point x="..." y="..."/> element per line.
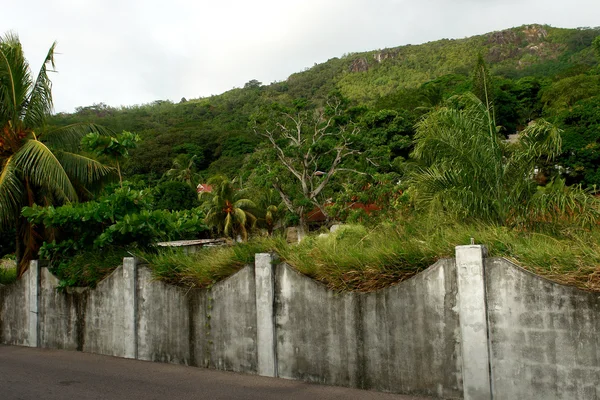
<point x="122" y="218"/>
<point x="175" y="196"/>
<point x="87" y="267"/>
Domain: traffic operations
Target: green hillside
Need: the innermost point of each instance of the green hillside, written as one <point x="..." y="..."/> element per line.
<point x="537" y="71"/>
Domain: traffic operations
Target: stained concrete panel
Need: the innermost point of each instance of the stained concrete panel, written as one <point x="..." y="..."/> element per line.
<point x="14" y="312"/>
<point x="60" y="314"/>
<point x="403" y="339"/>
<point x="162" y="321"/>
<point x="544" y="336"/>
<point x="105" y="312"/>
<point x="227" y="331"/>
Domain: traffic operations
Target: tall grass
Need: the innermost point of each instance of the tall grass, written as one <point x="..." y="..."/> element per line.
<point x="207" y="266"/>
<point x="8" y="275"/>
<point x="357" y="258"/>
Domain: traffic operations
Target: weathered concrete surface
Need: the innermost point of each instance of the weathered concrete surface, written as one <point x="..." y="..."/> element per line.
<point x="14" y="312"/>
<point x="473" y="322"/>
<point x="402" y="339"/>
<point x="162" y="321"/>
<point x="105" y="312"/>
<point x="34" y="302"/>
<point x="545" y="341"/>
<point x="60" y="314"/>
<point x="227" y="330"/>
<point x="265" y="321"/>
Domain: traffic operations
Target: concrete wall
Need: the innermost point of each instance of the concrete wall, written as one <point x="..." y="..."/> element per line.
<point x="61" y="323"/>
<point x="545" y="337"/>
<point x="14" y="312"/>
<point x="402" y="339"/>
<point x="229" y="324"/>
<point x="471" y="328"/>
<point x="163" y="318"/>
<point x="105" y="317"/>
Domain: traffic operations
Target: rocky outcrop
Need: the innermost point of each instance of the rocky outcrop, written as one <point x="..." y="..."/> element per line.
<point x="359" y="65"/>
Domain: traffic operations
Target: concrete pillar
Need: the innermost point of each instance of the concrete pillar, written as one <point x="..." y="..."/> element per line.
<point x="33" y="284"/>
<point x="264" y="275"/>
<point x="473" y="322"/>
<point x="130" y="311"/>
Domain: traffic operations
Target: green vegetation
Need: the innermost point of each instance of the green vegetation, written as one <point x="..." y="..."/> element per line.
<point x="115" y="148"/>
<point x="369" y="258"/>
<point x="468" y="171"/>
<point x="90" y="238"/>
<point x="8" y="272"/>
<point x="227" y="210"/>
<point x="39" y="165"/>
<point x="410" y="143"/>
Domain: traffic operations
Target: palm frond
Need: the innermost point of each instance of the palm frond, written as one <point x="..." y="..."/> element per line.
<point x="11" y="193"/>
<point x="85" y="170"/>
<point x="39" y="103"/>
<point x="541" y="139"/>
<point x="69" y="137"/>
<point x="40" y="166"/>
<point x="15" y="80"/>
<point x="244" y="204"/>
<point x="557" y="203"/>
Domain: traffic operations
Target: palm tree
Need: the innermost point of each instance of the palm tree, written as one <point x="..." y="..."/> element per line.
<point x="227" y="210"/>
<point x="270" y="205"/>
<point x="467" y="168"/>
<point x="39" y="165"/>
<point x="184" y="170"/>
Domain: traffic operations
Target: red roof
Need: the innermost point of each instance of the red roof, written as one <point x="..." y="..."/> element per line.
<point x="204" y="188"/>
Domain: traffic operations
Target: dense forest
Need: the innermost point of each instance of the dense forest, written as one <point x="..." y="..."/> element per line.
<point x="536" y="71"/>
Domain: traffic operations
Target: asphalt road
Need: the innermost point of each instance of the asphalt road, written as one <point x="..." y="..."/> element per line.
<point x="41" y="374"/>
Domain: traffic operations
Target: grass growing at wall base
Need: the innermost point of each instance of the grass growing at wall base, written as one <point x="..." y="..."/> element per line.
<point x="357" y="258"/>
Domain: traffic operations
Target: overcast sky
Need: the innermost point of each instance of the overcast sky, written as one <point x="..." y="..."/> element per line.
<point x="125" y="52"/>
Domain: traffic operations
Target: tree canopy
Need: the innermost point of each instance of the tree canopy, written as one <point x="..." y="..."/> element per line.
<point x="39" y="165"/>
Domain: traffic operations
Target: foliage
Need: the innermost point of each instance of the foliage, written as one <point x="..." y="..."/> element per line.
<point x="227" y="210"/>
<point x="580" y="159"/>
<point x="524" y="63"/>
<point x="39" y="165"/>
<point x="113" y="147"/>
<point x="356" y="258"/>
<point x="122" y="218"/>
<point x="269" y="210"/>
<point x="309" y="146"/>
<point x="207" y="266"/>
<point x="87" y="267"/>
<point x="564" y="93"/>
<point x="175" y="196"/>
<point x="468" y="171"/>
<point x="184" y="170"/>
<point x="8" y="273"/>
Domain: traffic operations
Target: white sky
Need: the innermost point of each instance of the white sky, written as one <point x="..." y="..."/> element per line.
<point x="125" y="52"/>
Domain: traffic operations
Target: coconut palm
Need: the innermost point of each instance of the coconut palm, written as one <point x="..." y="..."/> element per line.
<point x="467" y="168"/>
<point x="227" y="210"/>
<point x="270" y="209"/>
<point x="184" y="170"/>
<point x="39" y="165"/>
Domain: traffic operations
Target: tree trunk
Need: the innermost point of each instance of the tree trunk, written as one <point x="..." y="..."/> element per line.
<point x="120" y="177"/>
<point x="18" y="249"/>
<point x="26" y="246"/>
<point x="302" y="227"/>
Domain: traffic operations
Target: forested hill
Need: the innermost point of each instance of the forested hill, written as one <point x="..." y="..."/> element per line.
<point x="537" y="71"/>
